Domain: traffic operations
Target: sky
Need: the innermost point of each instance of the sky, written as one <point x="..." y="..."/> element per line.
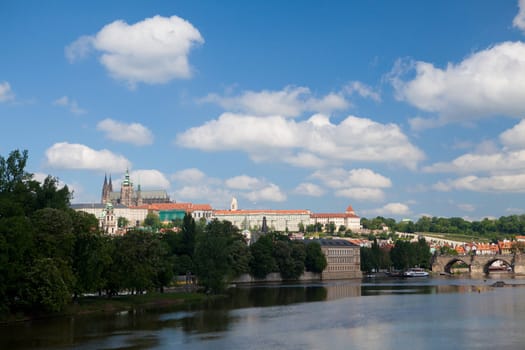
<point x="398" y="108"/>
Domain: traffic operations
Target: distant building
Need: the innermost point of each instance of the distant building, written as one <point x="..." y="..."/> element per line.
<point x="173" y="211"/>
<point x="343" y="258"/>
<point x="128" y="196"/>
<point x="134" y="216"/>
<point x="285" y="220"/>
<point x="348" y="219"/>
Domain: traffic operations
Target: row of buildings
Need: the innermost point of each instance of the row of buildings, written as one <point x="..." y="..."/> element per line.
<point x="343" y="256"/>
<point x="134" y="206"/>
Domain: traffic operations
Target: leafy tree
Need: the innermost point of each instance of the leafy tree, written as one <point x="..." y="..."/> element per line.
<point x="45" y="290"/>
<point x="122" y="222"/>
<point x="152" y="220"/>
<point x="262" y="261"/>
<point x="315" y="260"/>
<point x="211" y="258"/>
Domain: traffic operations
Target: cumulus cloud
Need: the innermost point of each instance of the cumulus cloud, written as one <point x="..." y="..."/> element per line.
<point x="133" y="133"/>
<point x="188" y="176"/>
<point x="486" y="83"/>
<point x="398" y="209"/>
<point x="65" y="155"/>
<point x="514" y="138"/>
<point x="196" y="185"/>
<point x="519" y="20"/>
<point x="476" y="163"/>
<point x="359" y="184"/>
<point x="292" y="101"/>
<point x="151" y="51"/>
<point x="70" y="104"/>
<point x="243" y="182"/>
<point x="362" y="90"/>
<point x="278" y="138"/>
<point x="309" y="189"/>
<point x="466" y="207"/>
<point x="361" y="193"/>
<point x="270" y="193"/>
<point x="150" y="178"/>
<point x="6" y="94"/>
<point x="339" y="178"/>
<point x="495" y="183"/>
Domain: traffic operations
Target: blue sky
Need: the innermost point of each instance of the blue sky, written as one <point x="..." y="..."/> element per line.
<point x="399" y="108"/>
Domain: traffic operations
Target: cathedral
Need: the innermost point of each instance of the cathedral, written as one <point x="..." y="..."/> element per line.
<point x="130" y="197"/>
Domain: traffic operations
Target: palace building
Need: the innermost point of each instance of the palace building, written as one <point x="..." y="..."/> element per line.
<point x="128" y="196"/>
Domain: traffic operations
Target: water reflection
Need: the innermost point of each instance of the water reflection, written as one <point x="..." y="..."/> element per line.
<point x="291" y="313"/>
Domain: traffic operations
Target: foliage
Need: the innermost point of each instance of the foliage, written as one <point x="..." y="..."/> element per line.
<point x="315" y="260"/>
<point x="152" y="220"/>
<point x="263" y="261"/>
<point x="213" y="259"/>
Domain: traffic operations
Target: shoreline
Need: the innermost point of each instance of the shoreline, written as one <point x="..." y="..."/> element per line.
<point x="103" y="305"/>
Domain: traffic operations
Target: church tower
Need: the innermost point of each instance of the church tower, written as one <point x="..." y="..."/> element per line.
<point x="105" y="191"/>
<point x="126" y="191"/>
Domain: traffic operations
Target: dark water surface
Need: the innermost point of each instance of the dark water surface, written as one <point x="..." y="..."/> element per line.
<point x="429" y="313"/>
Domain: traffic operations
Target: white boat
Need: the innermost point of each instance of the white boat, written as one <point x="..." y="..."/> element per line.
<point x="415" y="272"/>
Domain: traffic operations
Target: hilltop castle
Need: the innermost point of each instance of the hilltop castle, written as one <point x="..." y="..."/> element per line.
<point x="130" y="197"/>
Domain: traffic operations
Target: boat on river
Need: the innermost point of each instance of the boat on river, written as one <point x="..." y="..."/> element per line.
<point x="415" y="272"/>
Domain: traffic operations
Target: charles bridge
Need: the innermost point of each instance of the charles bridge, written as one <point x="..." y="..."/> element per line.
<point x="478" y="264"/>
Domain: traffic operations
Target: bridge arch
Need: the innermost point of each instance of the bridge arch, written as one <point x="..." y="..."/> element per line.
<point x="451" y="262"/>
<point x="486" y="267"/>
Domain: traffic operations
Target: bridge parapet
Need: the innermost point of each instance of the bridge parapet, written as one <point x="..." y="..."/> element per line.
<point x="478" y="264"/>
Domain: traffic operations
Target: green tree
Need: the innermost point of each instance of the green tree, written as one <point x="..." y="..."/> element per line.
<point x="315" y="260"/>
<point x="262" y="261"/>
<point x="211" y="259"/>
<point x="45" y="290"/>
<point x="152" y="220"/>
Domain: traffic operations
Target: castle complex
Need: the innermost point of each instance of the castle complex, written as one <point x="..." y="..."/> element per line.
<point x="128" y="196"/>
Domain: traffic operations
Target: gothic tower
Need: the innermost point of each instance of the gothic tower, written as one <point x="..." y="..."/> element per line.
<point x="126" y="191"/>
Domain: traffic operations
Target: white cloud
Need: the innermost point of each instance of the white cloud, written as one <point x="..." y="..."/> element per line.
<point x="133" y="133"/>
<point x="278" y="138"/>
<point x="359" y="184"/>
<point x="243" y="182"/>
<point x="519" y="20"/>
<point x="6" y="94"/>
<point x="189" y="176"/>
<point x="487" y="83"/>
<point x="196" y="185"/>
<point x="152" y="51"/>
<point x="270" y="193"/>
<point x="496" y="183"/>
<point x="475" y="163"/>
<point x="398" y="209"/>
<point x="292" y="101"/>
<point x="363" y="90"/>
<point x="340" y="178"/>
<point x="515" y="137"/>
<point x="150" y="178"/>
<point x="72" y="105"/>
<point x="361" y="193"/>
<point x="309" y="189"/>
<point x="65" y="155"/>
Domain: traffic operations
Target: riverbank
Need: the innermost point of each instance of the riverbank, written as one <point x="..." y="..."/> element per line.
<point x="116" y="304"/>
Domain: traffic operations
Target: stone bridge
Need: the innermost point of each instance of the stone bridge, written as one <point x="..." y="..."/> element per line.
<point x="478" y="264"/>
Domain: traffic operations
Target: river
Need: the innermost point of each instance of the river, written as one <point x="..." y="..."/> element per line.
<point x="428" y="313"/>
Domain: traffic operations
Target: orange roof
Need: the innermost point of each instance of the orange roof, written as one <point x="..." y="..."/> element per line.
<point x="520" y="238"/>
<point x="333" y="215"/>
<point x="349" y="209"/>
<point x="261" y="211"/>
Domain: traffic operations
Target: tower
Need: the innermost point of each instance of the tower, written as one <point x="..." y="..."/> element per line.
<point x="233" y="205"/>
<point x="126" y="191"/>
<point x="106" y="190"/>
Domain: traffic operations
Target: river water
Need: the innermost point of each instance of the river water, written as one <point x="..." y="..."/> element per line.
<point x="428" y="313"/>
